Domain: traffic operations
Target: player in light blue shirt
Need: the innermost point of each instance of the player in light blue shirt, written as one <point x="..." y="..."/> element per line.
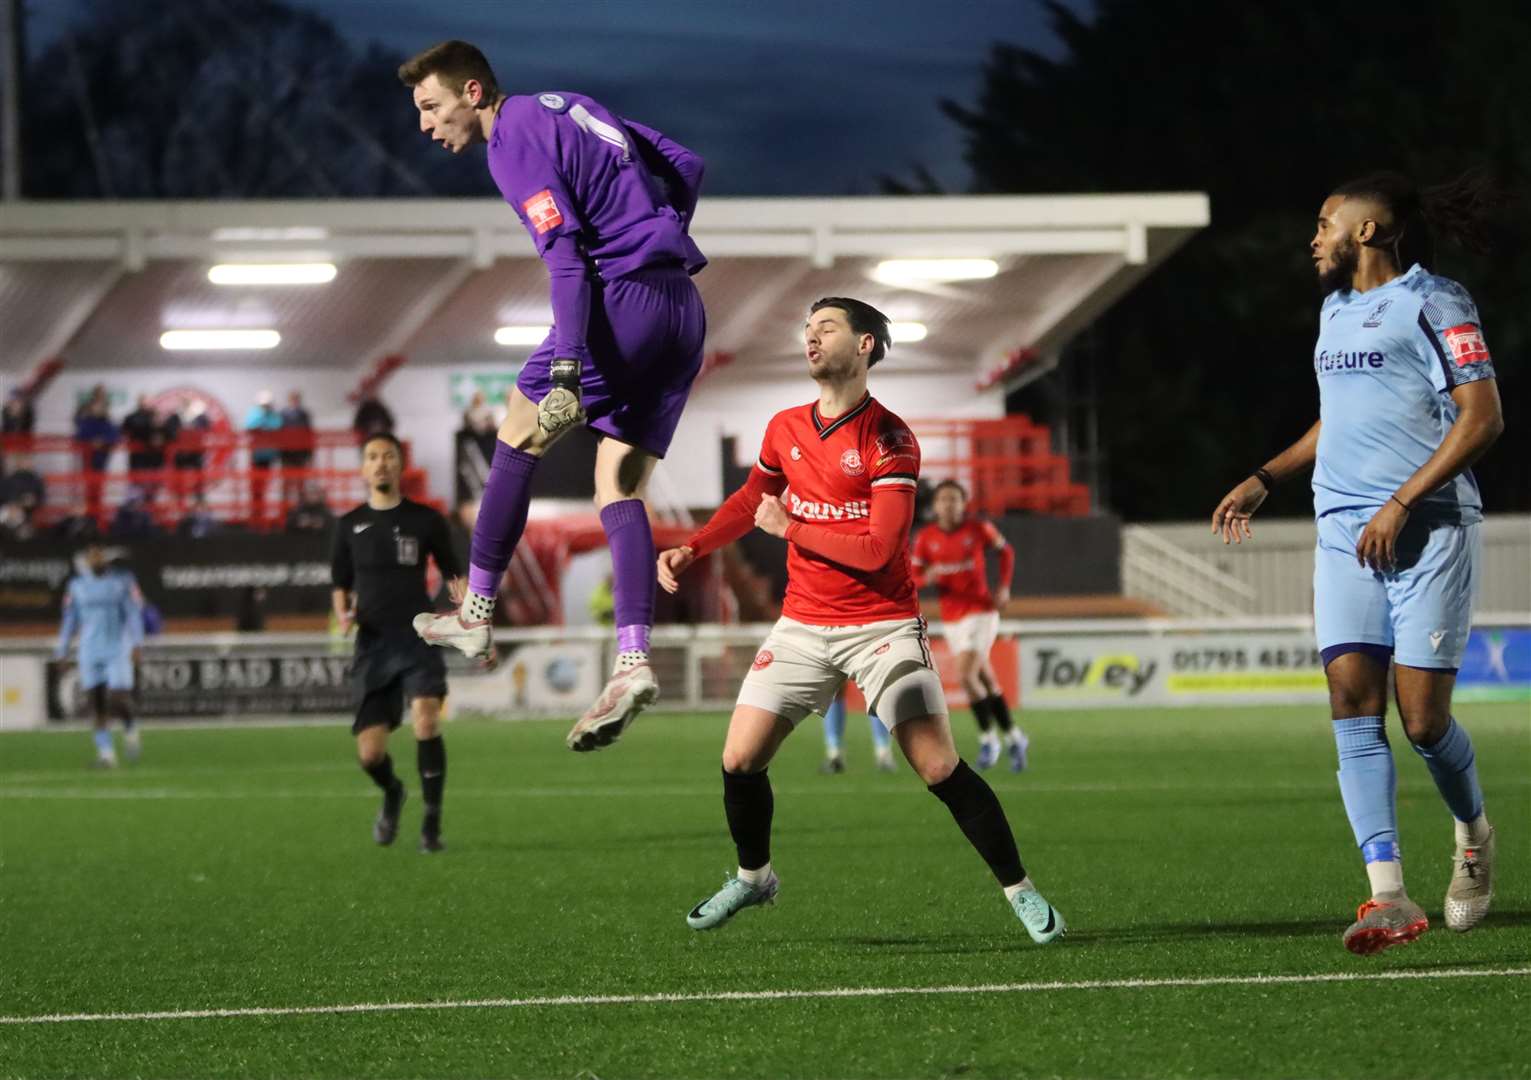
<point x="1407" y="402"/>
<point x="834" y="738"/>
<point x="103" y="607"/>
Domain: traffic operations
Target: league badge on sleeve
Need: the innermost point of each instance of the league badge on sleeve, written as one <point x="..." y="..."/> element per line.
<point x="895" y="441"/>
<point x="542" y="211"/>
<point x="1466" y="344"/>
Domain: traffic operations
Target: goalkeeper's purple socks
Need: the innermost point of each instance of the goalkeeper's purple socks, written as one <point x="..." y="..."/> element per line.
<point x="634" y="572"/>
<point x="501" y="520"/>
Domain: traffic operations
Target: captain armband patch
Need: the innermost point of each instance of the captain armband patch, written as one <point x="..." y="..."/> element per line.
<point x="1466" y="344"/>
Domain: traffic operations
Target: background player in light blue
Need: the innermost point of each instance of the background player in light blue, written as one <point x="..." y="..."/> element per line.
<point x="103" y="606"/>
<point x="834" y="738"/>
<point x="1407" y="402"/>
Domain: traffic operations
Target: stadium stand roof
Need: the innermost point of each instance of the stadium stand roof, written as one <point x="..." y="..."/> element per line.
<point x="432" y="279"/>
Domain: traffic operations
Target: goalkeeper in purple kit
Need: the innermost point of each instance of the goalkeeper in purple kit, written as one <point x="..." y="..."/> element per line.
<point x="608" y="204"/>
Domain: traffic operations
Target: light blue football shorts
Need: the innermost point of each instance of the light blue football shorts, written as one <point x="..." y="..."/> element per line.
<point x="114" y="669"/>
<point x="1421" y="612"/>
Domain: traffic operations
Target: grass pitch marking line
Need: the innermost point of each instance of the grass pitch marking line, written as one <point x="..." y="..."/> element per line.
<point x="775" y="995"/>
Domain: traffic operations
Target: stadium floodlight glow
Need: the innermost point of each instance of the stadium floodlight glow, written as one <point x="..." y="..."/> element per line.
<point x="306" y="273"/>
<point x="521" y="335"/>
<point x="178" y="340"/>
<point x="933" y="271"/>
<point x="907" y="331"/>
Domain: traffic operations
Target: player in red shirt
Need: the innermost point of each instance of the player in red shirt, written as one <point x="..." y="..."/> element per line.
<point x="836" y="479"/>
<point x="949" y="554"/>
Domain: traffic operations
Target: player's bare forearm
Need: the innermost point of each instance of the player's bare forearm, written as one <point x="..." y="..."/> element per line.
<point x="1479" y="423"/>
<point x="340" y="603"/>
<point x="1297" y="458"/>
<point x="1233" y="513"/>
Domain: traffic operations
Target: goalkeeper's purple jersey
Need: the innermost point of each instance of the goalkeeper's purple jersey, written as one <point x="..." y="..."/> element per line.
<point x="571" y="168"/>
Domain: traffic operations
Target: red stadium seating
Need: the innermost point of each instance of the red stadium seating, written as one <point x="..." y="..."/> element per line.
<point x="235" y="490"/>
<point x="1006" y="464"/>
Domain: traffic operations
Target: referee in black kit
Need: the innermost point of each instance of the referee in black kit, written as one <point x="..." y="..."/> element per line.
<point x="378" y="571"/>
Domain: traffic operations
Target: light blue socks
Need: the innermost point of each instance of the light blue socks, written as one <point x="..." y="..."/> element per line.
<point x="1452" y="763"/>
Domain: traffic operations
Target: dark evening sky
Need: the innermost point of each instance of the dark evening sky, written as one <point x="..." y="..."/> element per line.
<point x="782" y="96"/>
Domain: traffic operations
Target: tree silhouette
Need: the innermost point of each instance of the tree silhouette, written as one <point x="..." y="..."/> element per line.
<point x="1204" y="369"/>
<point x="222" y="99"/>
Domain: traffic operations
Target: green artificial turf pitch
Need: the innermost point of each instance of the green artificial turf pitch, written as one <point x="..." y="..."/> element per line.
<point x="233" y="869"/>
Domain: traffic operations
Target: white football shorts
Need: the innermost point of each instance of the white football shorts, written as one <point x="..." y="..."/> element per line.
<point x="973" y="633"/>
<point x="799" y="669"/>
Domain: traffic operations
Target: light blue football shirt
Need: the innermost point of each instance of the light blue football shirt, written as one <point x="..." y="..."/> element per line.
<point x="1387" y="360"/>
<point x="105" y="610"/>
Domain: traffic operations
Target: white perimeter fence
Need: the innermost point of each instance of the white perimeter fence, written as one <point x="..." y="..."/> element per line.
<point x="1188" y="572"/>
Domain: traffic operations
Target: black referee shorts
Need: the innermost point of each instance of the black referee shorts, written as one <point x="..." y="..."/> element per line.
<point x="387" y="673"/>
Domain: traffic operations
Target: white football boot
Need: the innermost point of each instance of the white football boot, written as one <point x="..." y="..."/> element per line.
<point x="1472" y="885"/>
<point x="472" y="639"/>
<point x="627" y="694"/>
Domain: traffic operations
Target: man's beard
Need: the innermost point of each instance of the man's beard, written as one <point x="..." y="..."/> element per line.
<point x="829" y="372"/>
<point x="1342" y="270"/>
<point x="383" y="487"/>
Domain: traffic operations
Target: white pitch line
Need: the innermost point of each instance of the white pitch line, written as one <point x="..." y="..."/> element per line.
<point x="776" y="995"/>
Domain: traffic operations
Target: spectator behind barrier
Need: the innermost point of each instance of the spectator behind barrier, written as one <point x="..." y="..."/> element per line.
<point x="189" y="427"/>
<point x="262" y="417"/>
<point x="298" y="427"/>
<point x="96" y="435"/>
<point x="142" y="433"/>
<point x="94" y="428"/>
<point x="480" y="424"/>
<point x="95" y="399"/>
<point x="22" y="485"/>
<point x="199" y="523"/>
<point x="133" y="520"/>
<point x="478" y="418"/>
<point x="17" y="417"/>
<point x="295" y="418"/>
<point x="313" y="513"/>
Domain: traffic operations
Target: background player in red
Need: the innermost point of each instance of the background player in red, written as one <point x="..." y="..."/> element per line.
<point x="848" y="469"/>
<point x="950" y="553"/>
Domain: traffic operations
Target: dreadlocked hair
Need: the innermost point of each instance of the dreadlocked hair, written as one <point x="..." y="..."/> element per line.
<point x="1466" y="211"/>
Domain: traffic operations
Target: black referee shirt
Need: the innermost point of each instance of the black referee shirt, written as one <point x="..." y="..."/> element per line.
<point x="380" y="556"/>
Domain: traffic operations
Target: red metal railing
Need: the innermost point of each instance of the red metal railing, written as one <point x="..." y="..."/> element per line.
<point x="221" y="467"/>
<point x="1005" y="464"/>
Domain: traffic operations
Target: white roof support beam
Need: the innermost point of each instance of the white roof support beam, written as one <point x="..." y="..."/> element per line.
<point x="81" y="307"/>
<point x="979" y="213"/>
<point x="821" y="230"/>
<point x="738" y="327"/>
<point x="414" y="317"/>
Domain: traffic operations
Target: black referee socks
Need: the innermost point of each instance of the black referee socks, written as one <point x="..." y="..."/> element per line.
<point x="382" y="774"/>
<point x="431" y="756"/>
